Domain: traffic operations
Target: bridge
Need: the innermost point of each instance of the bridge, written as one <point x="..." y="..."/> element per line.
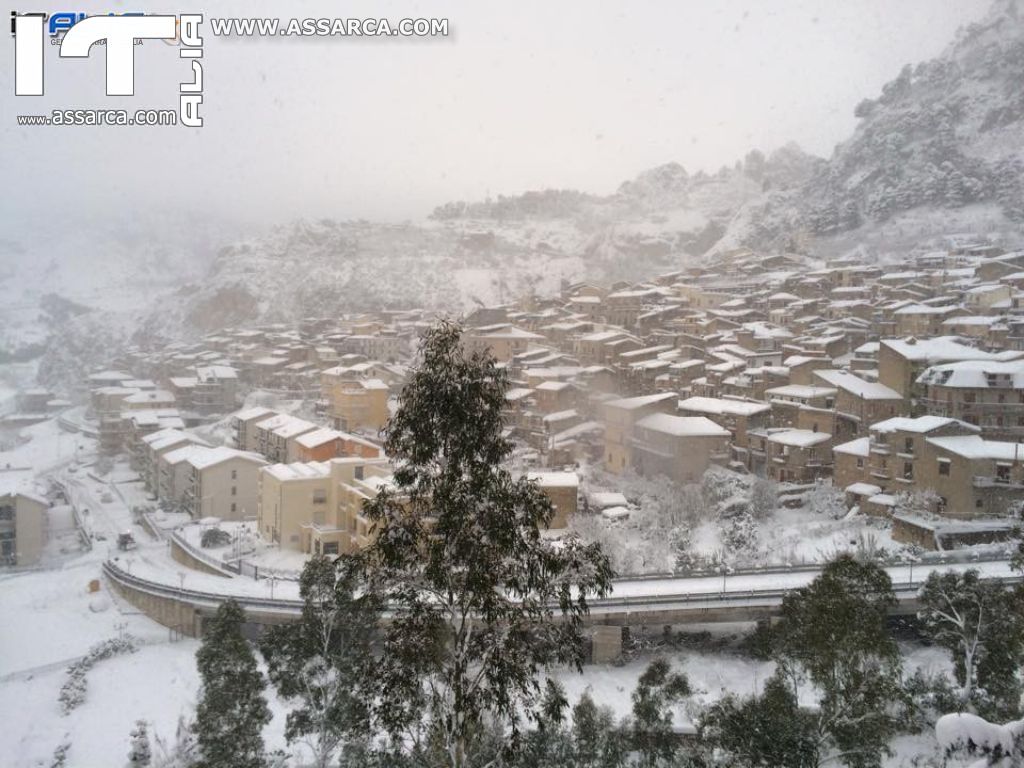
<point x="653" y="601"/>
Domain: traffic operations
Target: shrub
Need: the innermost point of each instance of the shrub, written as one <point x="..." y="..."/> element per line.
<point x="72" y="692"/>
<point x="215" y="537"/>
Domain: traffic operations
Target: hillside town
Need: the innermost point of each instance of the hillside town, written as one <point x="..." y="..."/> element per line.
<point x="889" y="386"/>
<point x="584" y="385"/>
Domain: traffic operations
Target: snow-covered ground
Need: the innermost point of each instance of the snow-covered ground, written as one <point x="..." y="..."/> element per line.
<point x="49" y="620"/>
<point x="52" y="617"/>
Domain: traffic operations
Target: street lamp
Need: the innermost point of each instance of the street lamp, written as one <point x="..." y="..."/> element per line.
<point x="725" y="571"/>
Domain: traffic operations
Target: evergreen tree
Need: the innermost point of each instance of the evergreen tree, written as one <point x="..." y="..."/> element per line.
<point x="319" y="663"/>
<point x="548" y="744"/>
<point x="232" y="710"/>
<point x="140" y="753"/>
<point x="596" y="741"/>
<point x="763" y="731"/>
<point x="981" y="624"/>
<point x="657" y="691"/>
<point x="459" y="558"/>
<point x="834" y="633"/>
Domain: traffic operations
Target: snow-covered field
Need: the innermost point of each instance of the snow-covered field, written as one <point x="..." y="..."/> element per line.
<point x="50" y="619"/>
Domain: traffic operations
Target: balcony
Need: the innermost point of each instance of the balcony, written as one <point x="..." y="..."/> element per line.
<point x="994" y="481"/>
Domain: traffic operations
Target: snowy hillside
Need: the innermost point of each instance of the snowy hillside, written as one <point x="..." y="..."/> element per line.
<point x="471" y="253"/>
<point x="939" y="150"/>
<point x="81" y="285"/>
<point x="943" y="135"/>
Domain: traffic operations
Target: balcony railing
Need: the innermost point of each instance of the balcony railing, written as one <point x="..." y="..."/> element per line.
<point x="994" y="481"/>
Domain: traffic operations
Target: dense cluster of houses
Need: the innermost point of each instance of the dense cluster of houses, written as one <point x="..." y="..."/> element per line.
<point x="893" y="383"/>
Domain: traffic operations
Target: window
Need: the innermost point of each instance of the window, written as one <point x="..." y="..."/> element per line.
<point x="6" y="512"/>
<point x="234" y="474"/>
<point x="1002" y="473"/>
<point x="829" y="402"/>
<point x="908" y="470"/>
<point x="233" y="507"/>
<point x="908" y="445"/>
<point x="319" y="496"/>
<point x="234" y="490"/>
<point x="860" y="463"/>
<point x="359" y="469"/>
<point x="943" y="468"/>
<point x="330" y="547"/>
<point x="978" y="503"/>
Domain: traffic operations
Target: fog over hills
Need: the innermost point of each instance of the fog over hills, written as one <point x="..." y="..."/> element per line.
<point x="939" y="150"/>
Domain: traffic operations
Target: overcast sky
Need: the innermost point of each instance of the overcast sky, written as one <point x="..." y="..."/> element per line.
<point x="522" y="95"/>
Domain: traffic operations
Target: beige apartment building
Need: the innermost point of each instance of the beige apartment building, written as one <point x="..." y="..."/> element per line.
<point x="859" y="402"/>
<point x="357" y="405"/>
<point x="141" y="424"/>
<point x="22" y="526"/>
<point x="603" y="347"/>
<point x="895" y="444"/>
<point x="620" y="416"/>
<point x="157" y="445"/>
<point x="849" y="463"/>
<point x="562" y="490"/>
<point x="680" y="448"/>
<point x="973" y="477"/>
<point x="988" y="394"/>
<point x="503" y="342"/>
<point x="223" y="483"/>
<point x="275" y="436"/>
<point x="795" y="455"/>
<point x="317" y="507"/>
<point x="737" y="416"/>
<point x="174" y="473"/>
<point x="789" y="400"/>
<point x="244" y="427"/>
<point x="902" y="361"/>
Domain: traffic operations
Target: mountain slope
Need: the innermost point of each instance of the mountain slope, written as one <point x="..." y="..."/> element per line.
<point x="944" y="135"/>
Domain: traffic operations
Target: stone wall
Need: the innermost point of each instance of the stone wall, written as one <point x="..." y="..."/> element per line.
<point x="186" y="558"/>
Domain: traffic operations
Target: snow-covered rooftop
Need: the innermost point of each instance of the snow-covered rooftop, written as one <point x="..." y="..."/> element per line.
<point x="722" y="406"/>
<point x="974" y="447"/>
<point x="918" y="425"/>
<point x="849" y="382"/>
<point x="799" y="438"/>
<point x="975" y="374"/>
<point x="682" y="426"/>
